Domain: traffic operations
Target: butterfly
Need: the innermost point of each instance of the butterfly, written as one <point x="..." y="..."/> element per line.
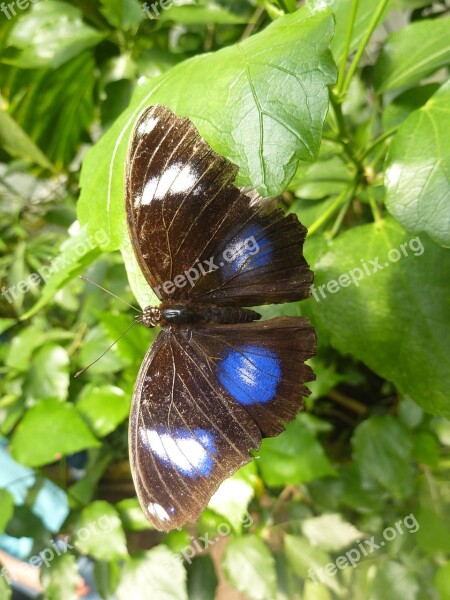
<point x="216" y="380"/>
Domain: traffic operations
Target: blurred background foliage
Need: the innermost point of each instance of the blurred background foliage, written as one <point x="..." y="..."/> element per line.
<point x="366" y="174"/>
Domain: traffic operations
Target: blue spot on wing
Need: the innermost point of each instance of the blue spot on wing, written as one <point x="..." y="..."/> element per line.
<point x="189" y="452"/>
<point x="251" y="375"/>
<point x="252" y="249"/>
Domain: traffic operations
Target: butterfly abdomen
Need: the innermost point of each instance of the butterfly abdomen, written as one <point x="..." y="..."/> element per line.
<point x="184" y="314"/>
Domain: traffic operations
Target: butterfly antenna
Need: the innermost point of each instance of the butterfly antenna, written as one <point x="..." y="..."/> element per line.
<point x="108" y="292"/>
<point x="107" y="350"/>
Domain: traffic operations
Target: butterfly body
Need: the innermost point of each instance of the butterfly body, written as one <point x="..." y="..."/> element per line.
<point x="217" y="379"/>
<point x="184" y="314"/>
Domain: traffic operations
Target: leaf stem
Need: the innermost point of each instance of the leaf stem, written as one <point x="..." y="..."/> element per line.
<point x="346" y="50"/>
<point x="343" y="134"/>
<point x="337" y="224"/>
<point x="323" y="218"/>
<point x="377" y="217"/>
<point x="372" y="26"/>
<point x="380" y="139"/>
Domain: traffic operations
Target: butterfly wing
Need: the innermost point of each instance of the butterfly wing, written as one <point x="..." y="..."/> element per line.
<point x="195" y="233"/>
<point x="203" y="399"/>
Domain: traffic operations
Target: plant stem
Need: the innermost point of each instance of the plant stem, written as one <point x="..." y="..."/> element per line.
<point x="343" y="211"/>
<point x="346" y="50"/>
<point x="374" y="207"/>
<point x="372" y="26"/>
<point x="323" y="218"/>
<point x="384" y="136"/>
<point x="343" y="134"/>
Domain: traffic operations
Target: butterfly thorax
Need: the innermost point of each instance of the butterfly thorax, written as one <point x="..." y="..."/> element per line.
<point x="187" y="314"/>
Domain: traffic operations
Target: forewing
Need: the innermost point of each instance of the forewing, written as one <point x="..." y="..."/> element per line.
<point x="194" y="232"/>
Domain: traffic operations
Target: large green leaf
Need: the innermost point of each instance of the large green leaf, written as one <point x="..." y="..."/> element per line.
<point x="49" y="430"/>
<point x="192" y="14"/>
<point x="418" y="170"/>
<point x="250" y="567"/>
<point x="99" y="532"/>
<point x="412" y="53"/>
<point x="123" y="14"/>
<point x="294" y="456"/>
<point x="60" y="577"/>
<point x="48" y="376"/>
<point x="392" y="581"/>
<point x="395" y="319"/>
<point x="260" y="103"/>
<point x="382" y="449"/>
<point x="103" y="407"/>
<point x="50" y="34"/>
<point x="307" y="561"/>
<point x="159" y="573"/>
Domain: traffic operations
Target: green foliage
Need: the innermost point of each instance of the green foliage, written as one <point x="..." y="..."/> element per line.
<point x="350" y="124"/>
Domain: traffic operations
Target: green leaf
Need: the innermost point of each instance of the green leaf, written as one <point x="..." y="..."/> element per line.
<point x="50" y="34"/>
<point x="49" y="430"/>
<point x="48" y="376"/>
<point x="60" y="578"/>
<point x="260" y="103"/>
<point x="99" y="532"/>
<point x="5" y="590"/>
<point x="6" y="508"/>
<point x="295" y="456"/>
<point x="434" y="533"/>
<point x="329" y="176"/>
<point x="233" y="497"/>
<point x="199" y="15"/>
<point x="250" y="567"/>
<point x="202" y="579"/>
<point x="6" y="324"/>
<point x="412" y="53"/>
<point x="404" y="104"/>
<point x="309" y="562"/>
<point x="17" y="143"/>
<point x="131" y="515"/>
<point x="382" y="449"/>
<point x="393" y="581"/>
<point x="426" y="449"/>
<point x="442" y="581"/>
<point x="123" y="14"/>
<point x="418" y="170"/>
<point x="55" y="107"/>
<point x="383" y="317"/>
<point x="104" y="407"/>
<point x="159" y="570"/>
<point x="330" y="532"/>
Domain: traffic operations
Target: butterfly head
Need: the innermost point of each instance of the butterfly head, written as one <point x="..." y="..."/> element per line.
<point x="151" y="317"/>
